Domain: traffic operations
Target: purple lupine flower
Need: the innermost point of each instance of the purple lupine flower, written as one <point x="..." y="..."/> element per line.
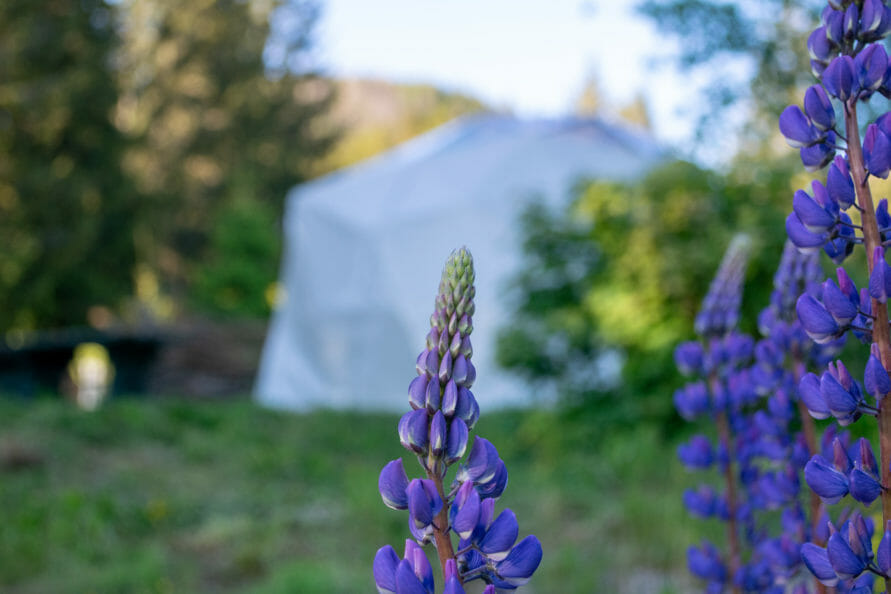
<point x="819" y="108"/>
<point x="816" y="320"/>
<point x="839" y="183"/>
<point x="452" y="581"/>
<point x="875" y="377"/>
<point x="870" y="66"/>
<point x="385" y="563"/>
<point x="688" y="357"/>
<point x="393" y="485"/>
<point x="877" y="152"/>
<point x="745" y="438"/>
<point x="817" y="561"/>
<point x="802" y="238"/>
<point x="436" y="429"/>
<point x="844" y="561"/>
<point x="817" y="156"/>
<point x="522" y="561"/>
<point x="851" y="67"/>
<point x="883" y="554"/>
<point x="880" y="279"/>
<point x="705" y="562"/>
<point x="798" y="129"/>
<point x="839" y="79"/>
<point x="697" y="453"/>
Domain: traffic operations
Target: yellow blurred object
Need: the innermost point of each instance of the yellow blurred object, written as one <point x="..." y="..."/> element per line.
<point x="92" y="372"/>
<point x="276" y="295"/>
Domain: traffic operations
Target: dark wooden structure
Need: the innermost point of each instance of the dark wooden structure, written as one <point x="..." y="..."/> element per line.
<point x="32" y="363"/>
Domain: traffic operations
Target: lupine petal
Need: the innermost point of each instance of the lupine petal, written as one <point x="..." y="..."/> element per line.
<point x="875" y="378"/>
<point x="817" y="562"/>
<point x="824" y="480"/>
<point x="494" y="487"/>
<point x="385" y="563"/>
<point x="863" y="487"/>
<point x="521" y="562"/>
<point x="818" y="45"/>
<point x="437" y="433"/>
<point x="852" y="22"/>
<point x="459" y="371"/>
<point x="844" y="562"/>
<point x="809" y="392"/>
<point x="838" y="78"/>
<point x="818" y="156"/>
<point x="688" y="357"/>
<point x="835" y="26"/>
<point x="466" y="406"/>
<point x="871" y="16"/>
<point x="803" y="239"/>
<point x="697" y="453"/>
<point x="706" y="563"/>
<point x="453" y="586"/>
<point x="797" y="128"/>
<point x="883" y="555"/>
<point x="839" y="183"/>
<point x="876" y="152"/>
<point x="870" y="65"/>
<point x="819" y="108"/>
<point x="468" y="514"/>
<point x="406" y="580"/>
<point x="422" y="569"/>
<point x="413" y="432"/>
<point x="500" y="536"/>
<point x="811" y="214"/>
<point x="424" y="501"/>
<point x="691" y="400"/>
<point x="450" y="399"/>
<point x="839" y="306"/>
<point x="482" y="462"/>
<point x="392" y="485"/>
<point x="816" y="321"/>
<point x="840" y="401"/>
<point x="432" y="395"/>
<point x="456" y="444"/>
<point x="445" y="368"/>
<point x="417" y="392"/>
<point x="878" y="280"/>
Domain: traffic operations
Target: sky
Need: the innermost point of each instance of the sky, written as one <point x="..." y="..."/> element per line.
<point x="530" y="56"/>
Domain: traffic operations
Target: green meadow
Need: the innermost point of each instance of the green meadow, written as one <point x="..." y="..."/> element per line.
<point x="168" y="495"/>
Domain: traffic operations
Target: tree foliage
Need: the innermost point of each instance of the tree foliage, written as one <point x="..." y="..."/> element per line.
<point x="762" y="37"/>
<point x="67" y="211"/>
<point x="624" y="269"/>
<point x="211" y="123"/>
<point x="128" y="128"/>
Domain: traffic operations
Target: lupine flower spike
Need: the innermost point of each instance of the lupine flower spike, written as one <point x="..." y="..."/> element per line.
<point x="851" y="65"/>
<point x="723" y="394"/>
<point x="436" y="430"/>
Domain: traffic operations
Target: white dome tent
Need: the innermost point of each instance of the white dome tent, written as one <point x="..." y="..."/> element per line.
<point x="364" y="248"/>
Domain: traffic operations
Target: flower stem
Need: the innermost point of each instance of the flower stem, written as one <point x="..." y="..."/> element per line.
<point x="444" y="547"/>
<point x="880" y="333"/>
<point x="730" y="480"/>
<point x="810" y="438"/>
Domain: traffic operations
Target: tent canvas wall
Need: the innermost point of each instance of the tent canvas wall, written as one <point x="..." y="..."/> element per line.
<point x="364" y="248"/>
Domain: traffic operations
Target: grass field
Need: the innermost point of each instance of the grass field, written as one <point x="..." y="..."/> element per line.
<point x="174" y="496"/>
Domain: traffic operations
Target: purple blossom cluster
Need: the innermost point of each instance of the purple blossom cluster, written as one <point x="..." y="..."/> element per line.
<point x="722" y="390"/>
<point x="436" y="430"/>
<point x="851" y="66"/>
<point x="765" y="434"/>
